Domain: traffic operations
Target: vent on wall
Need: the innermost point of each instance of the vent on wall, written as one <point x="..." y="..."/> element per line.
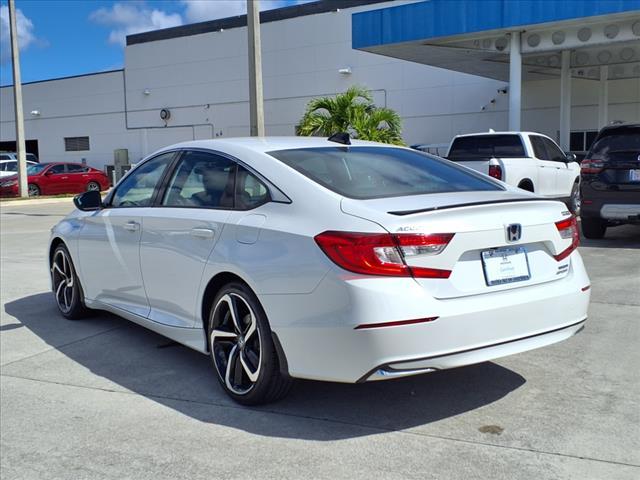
<point x="76" y="144"/>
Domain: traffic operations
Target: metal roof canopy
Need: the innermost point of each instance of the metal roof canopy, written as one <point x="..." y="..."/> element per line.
<point x="473" y="36"/>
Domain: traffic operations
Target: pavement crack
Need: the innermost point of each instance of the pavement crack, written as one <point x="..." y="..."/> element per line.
<point x="330" y="420"/>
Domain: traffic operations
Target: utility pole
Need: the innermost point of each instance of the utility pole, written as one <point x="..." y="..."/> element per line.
<point x="256" y="101"/>
<point x="17" y="102"/>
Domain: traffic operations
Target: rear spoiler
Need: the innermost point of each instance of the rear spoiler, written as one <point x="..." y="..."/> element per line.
<point x="458" y="205"/>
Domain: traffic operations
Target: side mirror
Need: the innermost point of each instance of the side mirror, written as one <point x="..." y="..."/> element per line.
<point x="571" y="157"/>
<point x="48" y="173"/>
<point x="88" y="201"/>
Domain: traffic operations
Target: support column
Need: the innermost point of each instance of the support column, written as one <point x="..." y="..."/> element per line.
<point x="603" y="97"/>
<point x="515" y="82"/>
<point x="565" y="101"/>
<point x="256" y="103"/>
<point x="23" y="189"/>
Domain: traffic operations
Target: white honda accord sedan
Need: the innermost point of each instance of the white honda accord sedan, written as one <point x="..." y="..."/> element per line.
<point x="325" y="259"/>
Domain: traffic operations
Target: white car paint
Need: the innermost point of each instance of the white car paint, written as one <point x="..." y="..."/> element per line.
<point x="151" y="265"/>
<point x="10" y="167"/>
<point x="548" y="178"/>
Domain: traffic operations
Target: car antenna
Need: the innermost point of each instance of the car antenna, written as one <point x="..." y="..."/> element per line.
<point x="340" y="137"/>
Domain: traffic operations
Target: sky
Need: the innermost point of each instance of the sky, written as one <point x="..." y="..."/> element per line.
<point x="59" y="38"/>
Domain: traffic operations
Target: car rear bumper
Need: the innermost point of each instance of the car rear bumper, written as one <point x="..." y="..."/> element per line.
<point x="624" y="212"/>
<point x="318" y="335"/>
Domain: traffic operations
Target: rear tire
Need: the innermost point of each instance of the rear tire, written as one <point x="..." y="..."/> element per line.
<point x="66" y="285"/>
<point x="242" y="350"/>
<point x="593" y="228"/>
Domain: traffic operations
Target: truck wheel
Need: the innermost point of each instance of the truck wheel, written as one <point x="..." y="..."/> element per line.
<point x="593" y="228"/>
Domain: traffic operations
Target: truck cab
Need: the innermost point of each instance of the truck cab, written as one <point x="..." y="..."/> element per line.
<point x="526" y="160"/>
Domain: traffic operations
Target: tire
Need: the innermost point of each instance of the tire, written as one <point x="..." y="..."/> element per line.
<point x="575" y="200"/>
<point x="67" y="290"/>
<point x="93" y="187"/>
<point x="253" y="375"/>
<point x="593" y="228"/>
<point x="34" y="190"/>
<point x="526" y="185"/>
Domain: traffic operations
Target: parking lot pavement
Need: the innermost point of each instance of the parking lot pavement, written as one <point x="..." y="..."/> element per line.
<point x="103" y="398"/>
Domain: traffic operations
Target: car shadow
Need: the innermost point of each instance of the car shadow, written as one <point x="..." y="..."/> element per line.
<point x="622" y="236"/>
<point x="122" y="356"/>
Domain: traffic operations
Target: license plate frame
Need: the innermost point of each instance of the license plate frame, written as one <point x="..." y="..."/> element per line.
<point x="498" y="262"/>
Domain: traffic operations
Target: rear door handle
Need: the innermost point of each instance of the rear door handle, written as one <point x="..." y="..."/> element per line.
<point x="132" y="226"/>
<point x="202" y="232"/>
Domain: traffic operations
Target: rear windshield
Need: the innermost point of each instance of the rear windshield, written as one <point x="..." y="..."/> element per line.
<point x="486" y="146"/>
<point x="623" y="140"/>
<point x="378" y="172"/>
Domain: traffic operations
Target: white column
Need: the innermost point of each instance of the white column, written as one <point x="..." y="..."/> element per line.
<point x="256" y="102"/>
<point x="603" y="97"/>
<point x="17" y="103"/>
<point x="515" y="82"/>
<point x="565" y="100"/>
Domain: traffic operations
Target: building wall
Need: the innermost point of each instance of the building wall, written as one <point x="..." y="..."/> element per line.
<point x="202" y="80"/>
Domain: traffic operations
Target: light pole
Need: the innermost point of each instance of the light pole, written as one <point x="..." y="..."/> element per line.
<point x="256" y="101"/>
<point x="17" y="102"/>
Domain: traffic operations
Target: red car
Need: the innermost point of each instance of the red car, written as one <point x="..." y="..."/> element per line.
<point x="56" y="178"/>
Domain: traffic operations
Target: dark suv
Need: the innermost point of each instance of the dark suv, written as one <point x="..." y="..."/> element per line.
<point x="610" y="180"/>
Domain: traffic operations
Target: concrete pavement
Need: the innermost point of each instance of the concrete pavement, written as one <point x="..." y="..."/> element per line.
<point x="103" y="398"/>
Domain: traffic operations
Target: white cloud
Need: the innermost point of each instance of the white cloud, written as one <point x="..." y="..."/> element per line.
<point x="130" y="18"/>
<point x="203" y="10"/>
<point x="25" y="29"/>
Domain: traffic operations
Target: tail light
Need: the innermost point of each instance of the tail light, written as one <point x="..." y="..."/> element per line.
<point x="591" y="166"/>
<point x="383" y="254"/>
<point x="568" y="228"/>
<point x="495" y="171"/>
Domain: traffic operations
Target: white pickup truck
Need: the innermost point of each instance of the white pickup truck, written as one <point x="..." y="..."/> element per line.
<point x="526" y="160"/>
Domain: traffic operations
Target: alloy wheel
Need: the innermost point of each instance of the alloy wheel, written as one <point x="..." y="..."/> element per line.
<point x="93" y="187"/>
<point x="33" y="190"/>
<point x="63" y="281"/>
<point x="235" y="343"/>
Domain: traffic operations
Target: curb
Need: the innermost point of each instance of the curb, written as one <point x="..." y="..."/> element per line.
<point x="11" y="203"/>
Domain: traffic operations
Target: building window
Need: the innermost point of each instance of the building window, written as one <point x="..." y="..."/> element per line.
<point x="76" y="144"/>
<point x="580" y="141"/>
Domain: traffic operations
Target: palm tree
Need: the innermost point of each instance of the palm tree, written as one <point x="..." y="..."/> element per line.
<point x="353" y="112"/>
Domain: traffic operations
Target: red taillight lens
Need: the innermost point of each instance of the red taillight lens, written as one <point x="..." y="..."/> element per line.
<point x="383" y="254"/>
<point x="495" y="171"/>
<point x="568" y="228"/>
<point x="591" y="166"/>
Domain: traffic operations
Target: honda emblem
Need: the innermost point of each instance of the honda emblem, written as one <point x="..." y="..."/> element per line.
<point x="514" y="232"/>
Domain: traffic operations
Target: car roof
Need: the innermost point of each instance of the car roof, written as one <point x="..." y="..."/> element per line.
<point x="499" y="133"/>
<point x="267" y="144"/>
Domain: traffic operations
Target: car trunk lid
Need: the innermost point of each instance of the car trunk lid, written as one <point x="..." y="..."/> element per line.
<point x="480" y="223"/>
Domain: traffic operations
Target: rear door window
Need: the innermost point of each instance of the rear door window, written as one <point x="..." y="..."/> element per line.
<point x="202" y="180"/>
<point x="486" y="146"/>
<point x="76" y="168"/>
<point x="539" y="149"/>
<point x="378" y="172"/>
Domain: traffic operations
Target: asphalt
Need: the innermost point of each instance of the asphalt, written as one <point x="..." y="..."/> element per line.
<point x="103" y="398"/>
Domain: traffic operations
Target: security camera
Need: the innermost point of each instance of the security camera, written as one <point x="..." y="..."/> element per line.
<point x="503" y="90"/>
